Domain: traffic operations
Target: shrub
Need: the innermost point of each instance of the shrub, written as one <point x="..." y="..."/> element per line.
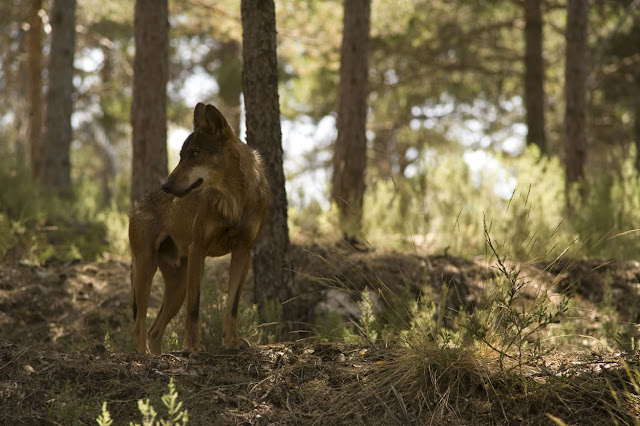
<point x="38" y="225"/>
<point x="175" y="415"/>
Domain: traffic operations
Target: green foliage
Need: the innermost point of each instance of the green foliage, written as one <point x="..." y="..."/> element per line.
<point x="443" y="205"/>
<point x="608" y="213"/>
<point x="612" y="331"/>
<point x="37" y="225"/>
<point x="211" y="315"/>
<point x="66" y="406"/>
<point x="270" y="331"/>
<point x="509" y="321"/>
<point x="431" y="325"/>
<point x="116" y="224"/>
<point x="331" y="327"/>
<point x="367" y="316"/>
<point x="116" y="335"/>
<point x="313" y="222"/>
<point x="627" y="400"/>
<point x="19" y="207"/>
<point x="104" y="419"/>
<point x="512" y="319"/>
<point x="175" y="415"/>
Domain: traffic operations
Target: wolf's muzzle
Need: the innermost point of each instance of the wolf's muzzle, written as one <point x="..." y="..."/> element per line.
<point x="169" y="188"/>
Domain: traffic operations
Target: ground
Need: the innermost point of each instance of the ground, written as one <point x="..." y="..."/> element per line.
<point x="66" y="347"/>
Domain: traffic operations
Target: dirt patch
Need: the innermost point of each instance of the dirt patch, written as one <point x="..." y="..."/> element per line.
<point x="65" y="347"/>
<point x="62" y="303"/>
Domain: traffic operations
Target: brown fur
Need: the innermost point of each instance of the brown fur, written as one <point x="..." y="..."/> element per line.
<point x="214" y="202"/>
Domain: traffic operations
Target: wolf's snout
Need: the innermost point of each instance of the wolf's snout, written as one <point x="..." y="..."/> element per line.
<point x="167" y="187"/>
<point x="180" y="191"/>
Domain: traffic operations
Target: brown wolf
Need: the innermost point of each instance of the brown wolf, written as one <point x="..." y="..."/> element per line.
<point x="214" y="202"/>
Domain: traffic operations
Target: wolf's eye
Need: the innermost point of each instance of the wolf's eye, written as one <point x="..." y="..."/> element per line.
<point x="195" y="153"/>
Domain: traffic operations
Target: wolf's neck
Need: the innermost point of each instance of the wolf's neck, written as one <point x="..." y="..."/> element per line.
<point x="232" y="191"/>
<point x="228" y="206"/>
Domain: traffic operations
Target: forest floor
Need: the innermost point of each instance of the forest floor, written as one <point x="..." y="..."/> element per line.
<point x="66" y="347"/>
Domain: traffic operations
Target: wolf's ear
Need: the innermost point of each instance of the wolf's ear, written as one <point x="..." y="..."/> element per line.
<point x="199" y="116"/>
<point x="216" y="121"/>
<point x="210" y="118"/>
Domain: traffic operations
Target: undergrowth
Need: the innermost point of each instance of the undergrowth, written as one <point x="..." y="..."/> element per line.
<point x="212" y="305"/>
<point x="440" y="208"/>
<point x="493" y="362"/>
<point x="37" y="225"/>
<point x="175" y="415"/>
<point x="454" y="362"/>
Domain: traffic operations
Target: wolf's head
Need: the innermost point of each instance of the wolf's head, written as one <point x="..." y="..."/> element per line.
<point x="204" y="154"/>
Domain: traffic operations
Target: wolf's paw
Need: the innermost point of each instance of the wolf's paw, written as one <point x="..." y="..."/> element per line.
<point x="155" y="348"/>
<point x="194" y="347"/>
<point x="236" y="343"/>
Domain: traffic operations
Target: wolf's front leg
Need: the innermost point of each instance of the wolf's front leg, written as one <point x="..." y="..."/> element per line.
<point x="240" y="259"/>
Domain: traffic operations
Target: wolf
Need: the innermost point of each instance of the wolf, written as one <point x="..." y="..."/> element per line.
<point x="214" y="202"/>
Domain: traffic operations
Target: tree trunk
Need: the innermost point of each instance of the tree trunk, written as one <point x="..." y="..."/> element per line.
<point x="55" y="164"/>
<point x="636" y="118"/>
<point x="105" y="149"/>
<point x="576" y="90"/>
<point x="34" y="85"/>
<point x="534" y="75"/>
<point x="350" y="154"/>
<point x="272" y="267"/>
<point x="229" y="78"/>
<point x="149" y="106"/>
<point x="382" y="147"/>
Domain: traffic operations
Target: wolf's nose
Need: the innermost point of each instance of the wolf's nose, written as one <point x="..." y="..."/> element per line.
<point x="166" y="187"/>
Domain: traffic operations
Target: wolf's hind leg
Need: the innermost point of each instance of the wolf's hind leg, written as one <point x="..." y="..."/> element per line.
<point x="143" y="268"/>
<point x="240" y="259"/>
<point x="175" y="287"/>
<point x="195" y="268"/>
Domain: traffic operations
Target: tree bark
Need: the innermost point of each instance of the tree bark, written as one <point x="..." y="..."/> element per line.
<point x="576" y="72"/>
<point x="34" y="40"/>
<point x="272" y="266"/>
<point x="636" y="122"/>
<point x="534" y="75"/>
<point x="149" y="105"/>
<point x="55" y="164"/>
<point x="105" y="139"/>
<point x="382" y="151"/>
<point x="229" y="78"/>
<point x="350" y="157"/>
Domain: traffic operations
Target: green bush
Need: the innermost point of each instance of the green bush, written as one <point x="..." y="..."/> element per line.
<point x="176" y="416"/>
<point x="443" y="205"/>
<point x="38" y="225"/>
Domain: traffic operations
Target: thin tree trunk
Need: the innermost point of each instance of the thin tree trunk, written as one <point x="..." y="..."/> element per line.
<point x="576" y="73"/>
<point x="149" y="106"/>
<point x="272" y="266"/>
<point x="636" y="117"/>
<point x="350" y="154"/>
<point x="55" y="164"/>
<point x="34" y="85"/>
<point x="104" y="141"/>
<point x="534" y="75"/>
<point x="382" y="143"/>
<point x="229" y="77"/>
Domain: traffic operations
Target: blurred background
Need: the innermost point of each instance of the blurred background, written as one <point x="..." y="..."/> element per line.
<point x="467" y="121"/>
